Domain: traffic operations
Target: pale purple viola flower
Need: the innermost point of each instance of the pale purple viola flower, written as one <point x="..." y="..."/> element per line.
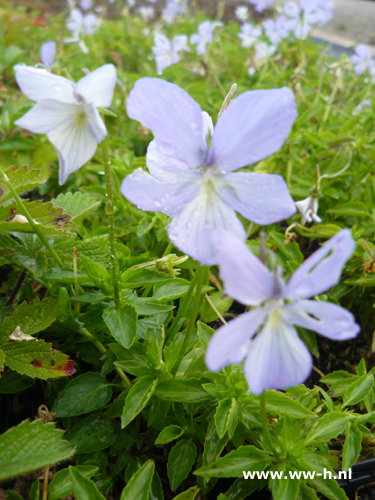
<point x="263" y="51"/>
<point x="261" y="5"/>
<point x="265" y="337"/>
<point x="146" y="12"/>
<point x="67" y="112"/>
<point x="204" y="36"/>
<point x="325" y="10"/>
<point x="362" y="59"/>
<point x="85" y="4"/>
<point x="172" y="9"/>
<point x="79" y="23"/>
<point x="47" y="53"/>
<point x="166" y="52"/>
<point x="309" y="210"/>
<point x="248" y="35"/>
<point x="194" y="184"/>
<point x="276" y="29"/>
<point x="242" y="13"/>
<point x="302" y="17"/>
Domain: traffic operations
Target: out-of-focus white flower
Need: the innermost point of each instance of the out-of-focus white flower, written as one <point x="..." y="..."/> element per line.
<point x="242" y="13"/>
<point x="85" y="4"/>
<point x="204" y="35"/>
<point x="131" y="3"/>
<point x="263" y="51"/>
<point x="302" y="17"/>
<point x="276" y="29"/>
<point x="309" y="210"/>
<point x="249" y="34"/>
<point x="146" y="12"/>
<point x="261" y="5"/>
<point x="362" y="59"/>
<point x="79" y="23"/>
<point x="166" y="52"/>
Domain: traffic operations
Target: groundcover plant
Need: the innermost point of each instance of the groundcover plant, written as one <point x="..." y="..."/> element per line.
<point x="187" y="253"/>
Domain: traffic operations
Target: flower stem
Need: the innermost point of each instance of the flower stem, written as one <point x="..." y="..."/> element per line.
<point x="111" y="228"/>
<point x="266" y="430"/>
<point x="31" y="221"/>
<point x="194" y="313"/>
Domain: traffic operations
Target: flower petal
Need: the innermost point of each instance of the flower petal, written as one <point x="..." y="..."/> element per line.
<point x="325" y="318"/>
<point x="254" y="126"/>
<point x="154" y="196"/>
<point x="46" y="115"/>
<point x="38" y="84"/>
<point x="277" y="359"/>
<point x="245" y="278"/>
<point x="322" y="269"/>
<point x="97" y="87"/>
<point x="162" y="166"/>
<point x="192" y="226"/>
<point x="229" y="344"/>
<point x="261" y="198"/>
<point x="47" y="53"/>
<point x="173" y="116"/>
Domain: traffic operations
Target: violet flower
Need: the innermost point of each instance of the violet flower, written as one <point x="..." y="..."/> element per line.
<point x="146" y="12"/>
<point x="204" y="36"/>
<point x="263" y="51"/>
<point x="172" y="9"/>
<point x="302" y="17"/>
<point x="47" y="53"/>
<point x="194" y="184"/>
<point x="67" y="112"/>
<point x="276" y="358"/>
<point x="85" y="4"/>
<point x="325" y="9"/>
<point x="167" y="53"/>
<point x="276" y="29"/>
<point x="80" y="24"/>
<point x="248" y="35"/>
<point x="362" y="59"/>
<point x="261" y="5"/>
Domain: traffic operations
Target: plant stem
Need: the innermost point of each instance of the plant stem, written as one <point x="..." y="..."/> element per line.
<point x="111" y="228"/>
<point x="194" y="313"/>
<point x="45" y="485"/>
<point x="266" y="430"/>
<point x="31" y="221"/>
<point x="103" y="350"/>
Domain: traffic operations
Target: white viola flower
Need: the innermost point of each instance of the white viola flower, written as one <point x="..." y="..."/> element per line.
<point x="276" y="29"/>
<point x="325" y="9"/>
<point x="146" y="12"/>
<point x="80" y="24"/>
<point x="302" y="17"/>
<point x="67" y="112"/>
<point x="167" y="53"/>
<point x="263" y="51"/>
<point x="249" y="34"/>
<point x="47" y="53"/>
<point x="85" y="4"/>
<point x="261" y="5"/>
<point x="204" y="35"/>
<point x="242" y="13"/>
<point x="362" y="59"/>
<point x="309" y="210"/>
<point x="131" y="3"/>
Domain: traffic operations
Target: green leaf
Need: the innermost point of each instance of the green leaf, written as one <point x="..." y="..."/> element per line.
<point x="183" y="390"/>
<point x="139" y="486"/>
<point x="134" y="278"/>
<point x="245" y="458"/>
<point x="36" y="358"/>
<point x="337" y="376"/>
<point x="220" y="301"/>
<point x="280" y="403"/>
<point x="61" y="485"/>
<point x="329" y="488"/>
<point x="169" y="434"/>
<point x="354" y="208"/>
<point x="78" y="205"/>
<point x="284" y="489"/>
<point x="358" y="390"/>
<point x="226" y="417"/>
<point x="352" y="446"/>
<point x="326" y="428"/>
<point x="213" y="445"/>
<point x="22" y="179"/>
<point x="31" y="446"/>
<point x="180" y="461"/>
<point x="51" y="219"/>
<point x="122" y="324"/>
<point x="189" y="494"/>
<point x="34" y="492"/>
<point x="12" y="382"/>
<point x="83" y="487"/>
<point x="204" y="333"/>
<point x="91" y="434"/>
<point x="17" y="144"/>
<point x="86" y="393"/>
<point x="31" y="318"/>
<point x="137" y="398"/>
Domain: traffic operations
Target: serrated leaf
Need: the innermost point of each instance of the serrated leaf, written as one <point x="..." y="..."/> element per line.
<point x="169" y="434"/>
<point x="139" y="486"/>
<point x="86" y="393"/>
<point x="248" y="458"/>
<point x="31" y="318"/>
<point x="358" y="390"/>
<point x="78" y="205"/>
<point x="327" y="427"/>
<point x="36" y="358"/>
<point x="51" y="219"/>
<point x="61" y="485"/>
<point x="31" y="446"/>
<point x="122" y="324"/>
<point x="137" y="398"/>
<point x="83" y="488"/>
<point x="180" y="461"/>
<point x="22" y="179"/>
<point x="91" y="434"/>
<point x="352" y="446"/>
